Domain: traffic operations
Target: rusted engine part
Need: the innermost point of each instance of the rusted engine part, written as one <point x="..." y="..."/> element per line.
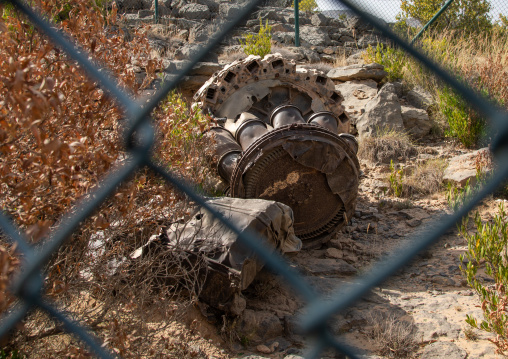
<point x="260" y="85"/>
<point x="284" y="138"/>
<point x="305" y="166"/>
<point x="310" y="169"/>
<point x="231" y="267"/>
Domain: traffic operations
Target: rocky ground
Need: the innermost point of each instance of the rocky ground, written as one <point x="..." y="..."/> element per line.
<point x="418" y="313"/>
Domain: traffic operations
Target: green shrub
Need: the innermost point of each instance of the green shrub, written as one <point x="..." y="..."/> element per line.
<point x="468" y="16"/>
<point x="306" y="5"/>
<point x="392" y="59"/>
<point x="463" y="122"/>
<point x="260" y="44"/>
<point x="488" y="248"/>
<point x="396" y="178"/>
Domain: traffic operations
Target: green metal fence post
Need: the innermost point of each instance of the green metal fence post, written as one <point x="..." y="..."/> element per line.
<point x="431" y="20"/>
<point x="297" y="24"/>
<point x="156" y="14"/>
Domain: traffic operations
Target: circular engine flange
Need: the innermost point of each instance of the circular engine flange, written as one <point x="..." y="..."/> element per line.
<point x="307" y="167"/>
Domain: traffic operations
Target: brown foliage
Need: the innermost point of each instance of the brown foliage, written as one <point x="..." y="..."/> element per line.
<point x="59" y="135"/>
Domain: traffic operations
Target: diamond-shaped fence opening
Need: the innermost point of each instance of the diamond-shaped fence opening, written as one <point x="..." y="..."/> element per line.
<point x="200" y="27"/>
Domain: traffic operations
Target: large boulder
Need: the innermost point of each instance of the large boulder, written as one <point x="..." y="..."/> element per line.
<point x="447" y="350"/>
<point x="462" y="168"/>
<point x="357" y="93"/>
<point x="318" y="19"/>
<point x="358" y="72"/>
<point x="416" y="121"/>
<point x="382" y="113"/>
<point x="131" y="5"/>
<point x="314" y="36"/>
<point x="195" y="12"/>
<point x="229" y="11"/>
<point x="420" y="98"/>
<point x="200" y="33"/>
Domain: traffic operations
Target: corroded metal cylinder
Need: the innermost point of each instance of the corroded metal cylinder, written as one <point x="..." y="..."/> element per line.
<point x="286" y="115"/>
<point x="351" y="141"/>
<point x="325" y="119"/>
<point x="226" y="150"/>
<point x="249" y="131"/>
<point x="227" y="164"/>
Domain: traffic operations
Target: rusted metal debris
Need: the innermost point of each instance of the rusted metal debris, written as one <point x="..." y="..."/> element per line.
<point x="231" y="267"/>
<point x="284" y="137"/>
<point x="284" y="150"/>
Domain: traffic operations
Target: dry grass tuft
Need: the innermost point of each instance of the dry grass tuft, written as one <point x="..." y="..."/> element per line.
<point x="387" y="146"/>
<point x="425" y="178"/>
<point x="470" y="334"/>
<point x="391" y="336"/>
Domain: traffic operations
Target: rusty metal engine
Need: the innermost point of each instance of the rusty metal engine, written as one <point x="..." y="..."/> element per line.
<point x="283" y="136"/>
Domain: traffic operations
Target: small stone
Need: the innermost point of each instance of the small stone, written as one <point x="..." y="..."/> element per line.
<point x="442" y="280"/>
<point x="334" y="253"/>
<point x="263" y="349"/>
<point x="329" y="266"/>
<point x="440" y="350"/>
<point x="413" y="222"/>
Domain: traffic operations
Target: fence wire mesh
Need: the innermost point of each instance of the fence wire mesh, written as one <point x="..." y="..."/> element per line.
<point x="139" y="140"/>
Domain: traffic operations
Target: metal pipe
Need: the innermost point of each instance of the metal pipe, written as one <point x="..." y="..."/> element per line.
<point x="286" y="115"/>
<point x="431" y="21"/>
<point x="156" y="14"/>
<point x="297" y="24"/>
<point x="351" y="141"/>
<point x="249" y="131"/>
<point x="325" y="119"/>
<point x="226" y="149"/>
<point x="227" y="164"/>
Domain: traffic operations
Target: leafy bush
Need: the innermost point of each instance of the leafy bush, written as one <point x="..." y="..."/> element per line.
<point x="392" y="59"/>
<point x="479" y="60"/>
<point x="306" y="5"/>
<point x="464" y="123"/>
<point x="260" y="44"/>
<point x="396" y="178"/>
<point x="469" y="16"/>
<point x="488" y="249"/>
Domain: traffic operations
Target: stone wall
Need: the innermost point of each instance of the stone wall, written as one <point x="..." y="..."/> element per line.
<point x="322" y="38"/>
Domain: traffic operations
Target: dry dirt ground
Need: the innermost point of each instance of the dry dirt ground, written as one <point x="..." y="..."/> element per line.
<point x="418" y="313"/>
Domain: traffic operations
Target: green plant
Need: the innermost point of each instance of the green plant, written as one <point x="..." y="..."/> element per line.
<point x="10" y="354"/>
<point x="468" y="16"/>
<point x="487" y="249"/>
<point x="259" y="44"/>
<point x="470" y="334"/>
<point x="392" y="59"/>
<point x="464" y="123"/>
<point x="306" y="5"/>
<point x="396" y="178"/>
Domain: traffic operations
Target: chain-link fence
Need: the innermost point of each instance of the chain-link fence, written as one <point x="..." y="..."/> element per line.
<point x="139" y="139"/>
